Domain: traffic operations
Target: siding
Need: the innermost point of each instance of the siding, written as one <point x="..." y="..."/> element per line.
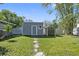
<point x="17" y="30"/>
<point x="27" y="28"/>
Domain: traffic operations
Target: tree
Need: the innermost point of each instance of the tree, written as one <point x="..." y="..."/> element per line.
<point x="67" y="15"/>
<point x="8" y="28"/>
<point x="1" y="16"/>
<point x="68" y="19"/>
<point x="52" y="27"/>
<point x="12" y="17"/>
<point x="12" y="20"/>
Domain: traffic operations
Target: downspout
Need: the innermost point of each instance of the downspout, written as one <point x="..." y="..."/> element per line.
<point x="22" y="29"/>
<point x="43" y="29"/>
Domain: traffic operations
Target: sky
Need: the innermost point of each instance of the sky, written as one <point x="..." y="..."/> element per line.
<point x="33" y="11"/>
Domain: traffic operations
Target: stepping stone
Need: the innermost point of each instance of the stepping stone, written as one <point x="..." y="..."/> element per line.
<point x="39" y="54"/>
<point x="36" y="45"/>
<point x="35" y="41"/>
<point x="35" y="50"/>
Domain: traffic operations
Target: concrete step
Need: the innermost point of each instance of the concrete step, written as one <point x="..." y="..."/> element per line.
<point x="39" y="54"/>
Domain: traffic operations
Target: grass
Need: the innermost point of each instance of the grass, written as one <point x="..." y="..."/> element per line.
<point x="17" y="46"/>
<point x="60" y="46"/>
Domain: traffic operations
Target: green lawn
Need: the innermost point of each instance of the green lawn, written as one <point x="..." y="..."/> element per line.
<point x="17" y="46"/>
<point x="60" y="46"/>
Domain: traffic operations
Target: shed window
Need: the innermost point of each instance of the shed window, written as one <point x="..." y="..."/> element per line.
<point x="40" y="27"/>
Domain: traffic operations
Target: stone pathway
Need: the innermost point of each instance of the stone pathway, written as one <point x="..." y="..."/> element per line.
<point x="36" y="46"/>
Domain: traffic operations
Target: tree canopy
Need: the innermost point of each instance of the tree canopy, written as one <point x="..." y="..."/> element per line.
<point x="11" y="18"/>
<point x="68" y="15"/>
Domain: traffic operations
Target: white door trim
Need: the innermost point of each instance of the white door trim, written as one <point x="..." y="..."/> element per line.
<point x="32" y="29"/>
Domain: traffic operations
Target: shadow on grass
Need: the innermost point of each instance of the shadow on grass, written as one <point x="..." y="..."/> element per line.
<point x="28" y="36"/>
<point x="12" y="41"/>
<point x="37" y="36"/>
<point x="47" y="36"/>
<point x="9" y="37"/>
<point x="3" y="51"/>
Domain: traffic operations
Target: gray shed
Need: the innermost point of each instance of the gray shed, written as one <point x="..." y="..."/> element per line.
<point x="31" y="28"/>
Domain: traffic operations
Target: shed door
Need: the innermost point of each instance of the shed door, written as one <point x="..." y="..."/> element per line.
<point x="34" y="30"/>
